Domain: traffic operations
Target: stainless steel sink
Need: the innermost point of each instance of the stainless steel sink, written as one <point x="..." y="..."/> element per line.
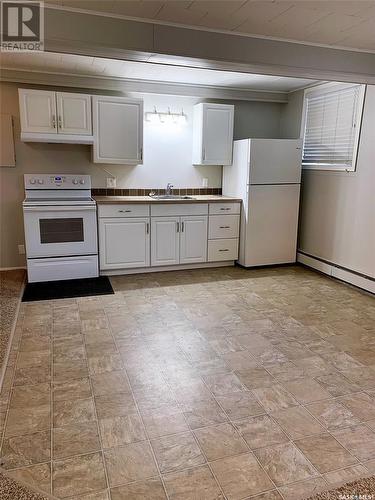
<point x="171" y="197"/>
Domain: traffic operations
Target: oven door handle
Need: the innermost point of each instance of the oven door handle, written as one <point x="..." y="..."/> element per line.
<point x="50" y="208"/>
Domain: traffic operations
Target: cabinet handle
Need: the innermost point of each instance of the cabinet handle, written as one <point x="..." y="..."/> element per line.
<point x="224" y="250"/>
<point x="224" y="227"/>
<point x="60" y="121"/>
<point x="124" y="211"/>
<point x="178" y="227"/>
<point x="147" y="227"/>
<point x="141" y="153"/>
<point x="224" y="208"/>
<point x="182" y="226"/>
<point x="53" y="121"/>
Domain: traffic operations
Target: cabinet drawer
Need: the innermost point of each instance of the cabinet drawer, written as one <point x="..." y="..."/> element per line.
<point x="223" y="226"/>
<point x="226" y="249"/>
<point x="124" y="210"/>
<point x="175" y="209"/>
<point x="225" y="208"/>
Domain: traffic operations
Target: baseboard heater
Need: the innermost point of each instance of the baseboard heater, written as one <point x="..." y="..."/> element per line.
<point x="356" y="279"/>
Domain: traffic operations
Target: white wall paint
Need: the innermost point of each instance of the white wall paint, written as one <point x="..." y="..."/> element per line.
<point x="167" y="158"/>
<point x="337" y="221"/>
<point x="167" y="152"/>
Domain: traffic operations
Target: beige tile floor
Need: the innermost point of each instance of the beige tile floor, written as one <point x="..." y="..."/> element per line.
<point x="209" y="384"/>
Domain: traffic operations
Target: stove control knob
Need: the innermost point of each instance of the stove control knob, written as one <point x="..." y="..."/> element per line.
<point x="75" y="181"/>
<point x="81" y="181"/>
<point x="32" y="181"/>
<point x="40" y="181"/>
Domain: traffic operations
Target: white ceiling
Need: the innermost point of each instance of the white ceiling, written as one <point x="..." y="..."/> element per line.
<point x="346" y="23"/>
<point x="89" y="66"/>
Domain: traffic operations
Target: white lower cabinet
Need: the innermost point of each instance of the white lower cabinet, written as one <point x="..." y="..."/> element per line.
<point x="223" y="249"/>
<point x="143" y="235"/>
<point x="223" y="231"/>
<point x="124" y="242"/>
<point x="223" y="226"/>
<point x="165" y="241"/>
<point x="193" y="239"/>
<point x="178" y="240"/>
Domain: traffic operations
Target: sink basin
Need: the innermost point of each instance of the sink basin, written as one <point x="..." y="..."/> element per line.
<point x="171" y="197"/>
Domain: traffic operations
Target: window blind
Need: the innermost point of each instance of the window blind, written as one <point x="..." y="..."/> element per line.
<point x="332" y="118"/>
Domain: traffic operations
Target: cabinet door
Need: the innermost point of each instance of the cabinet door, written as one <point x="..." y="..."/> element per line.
<point x="165" y="241"/>
<point x="217" y="130"/>
<point x="124" y="243"/>
<point x="38" y="111"/>
<point x="193" y="239"/>
<point x="118" y="130"/>
<point x="74" y="113"/>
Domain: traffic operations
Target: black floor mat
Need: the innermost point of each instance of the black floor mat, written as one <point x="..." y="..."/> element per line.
<point x="67" y="289"/>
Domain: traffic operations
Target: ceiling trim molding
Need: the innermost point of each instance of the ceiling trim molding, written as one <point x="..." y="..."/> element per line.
<point x="139" y="86"/>
<point x="204" y="28"/>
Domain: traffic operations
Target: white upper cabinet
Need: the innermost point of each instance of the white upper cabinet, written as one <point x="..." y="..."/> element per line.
<point x="193" y="239"/>
<point x="48" y="116"/>
<point x="118" y="130"/>
<point x="38" y="111"/>
<point x="213" y="134"/>
<point x="74" y="113"/>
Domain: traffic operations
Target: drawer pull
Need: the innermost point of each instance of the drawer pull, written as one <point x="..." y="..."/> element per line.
<point x="225" y="208"/>
<point x="224" y="227"/>
<point x="224" y="250"/>
<point x="124" y="211"/>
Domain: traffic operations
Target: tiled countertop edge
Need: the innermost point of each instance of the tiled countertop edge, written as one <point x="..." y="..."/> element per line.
<point x="148" y="199"/>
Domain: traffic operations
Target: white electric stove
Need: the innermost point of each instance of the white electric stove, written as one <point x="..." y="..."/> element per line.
<point x="60" y="227"/>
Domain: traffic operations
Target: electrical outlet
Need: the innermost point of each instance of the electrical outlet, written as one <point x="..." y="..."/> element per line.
<point x="111" y="182"/>
<point x="21" y="249"/>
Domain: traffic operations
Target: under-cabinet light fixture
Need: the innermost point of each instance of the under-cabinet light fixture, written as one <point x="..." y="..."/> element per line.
<point x="168" y="117"/>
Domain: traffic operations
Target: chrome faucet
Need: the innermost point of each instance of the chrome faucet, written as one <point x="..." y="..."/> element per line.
<point x="168" y="191"/>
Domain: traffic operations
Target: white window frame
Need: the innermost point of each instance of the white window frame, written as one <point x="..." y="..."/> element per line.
<point x="320" y="90"/>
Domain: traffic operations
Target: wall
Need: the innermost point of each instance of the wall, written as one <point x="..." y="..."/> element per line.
<point x="257" y="119"/>
<point x="167" y="158"/>
<point x="337" y="220"/>
<point x="291" y="116"/>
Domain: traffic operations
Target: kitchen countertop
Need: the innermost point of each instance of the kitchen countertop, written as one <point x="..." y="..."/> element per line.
<point x="210" y="198"/>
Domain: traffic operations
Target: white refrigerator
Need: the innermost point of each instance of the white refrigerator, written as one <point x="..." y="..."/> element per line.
<point x="266" y="175"/>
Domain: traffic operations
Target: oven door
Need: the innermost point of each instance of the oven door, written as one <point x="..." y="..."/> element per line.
<point x="56" y="231"/>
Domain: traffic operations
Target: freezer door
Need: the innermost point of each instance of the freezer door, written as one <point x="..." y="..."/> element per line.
<point x="269" y="228"/>
<point x="275" y="161"/>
